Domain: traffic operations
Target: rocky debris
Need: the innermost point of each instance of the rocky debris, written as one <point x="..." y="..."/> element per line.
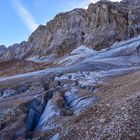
<point x="106" y="118"/>
<point x="54" y="108"/>
<point x="116" y="123"/>
<point x="50" y="101"/>
<point x="111" y="117"/>
<point x="97" y="27"/>
<point x="27" y="105"/>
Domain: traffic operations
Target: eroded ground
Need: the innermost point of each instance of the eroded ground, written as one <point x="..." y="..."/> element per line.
<point x="85" y="95"/>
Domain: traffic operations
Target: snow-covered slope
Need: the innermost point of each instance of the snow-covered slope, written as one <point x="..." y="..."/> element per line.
<point x="68" y="89"/>
<point x="122" y="53"/>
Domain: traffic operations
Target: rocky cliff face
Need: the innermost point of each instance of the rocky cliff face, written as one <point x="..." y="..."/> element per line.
<point x="90" y="93"/>
<point x="97" y="27"/>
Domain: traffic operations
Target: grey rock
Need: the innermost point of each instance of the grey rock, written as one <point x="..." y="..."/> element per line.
<point x="97" y="27"/>
<point x="8" y="92"/>
<point x="3" y="50"/>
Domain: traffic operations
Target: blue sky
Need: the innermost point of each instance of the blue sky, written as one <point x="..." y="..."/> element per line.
<point x="19" y="18"/>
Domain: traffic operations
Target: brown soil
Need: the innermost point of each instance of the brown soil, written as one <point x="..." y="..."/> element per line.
<point x="14" y="67"/>
<point x="115" y="117"/>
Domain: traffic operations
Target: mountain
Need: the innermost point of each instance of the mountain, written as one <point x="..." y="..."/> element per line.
<point x="76" y="78"/>
<point x="97" y="27"/>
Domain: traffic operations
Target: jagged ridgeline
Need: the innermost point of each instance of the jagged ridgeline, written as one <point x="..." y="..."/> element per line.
<point x="97" y="27"/>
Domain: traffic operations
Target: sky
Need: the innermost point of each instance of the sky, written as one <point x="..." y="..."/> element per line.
<point x="19" y="18"/>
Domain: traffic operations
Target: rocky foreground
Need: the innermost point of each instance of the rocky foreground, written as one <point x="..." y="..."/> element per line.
<point x="87" y="94"/>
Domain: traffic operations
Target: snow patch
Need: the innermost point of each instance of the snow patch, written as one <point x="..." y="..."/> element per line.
<point x="77" y="55"/>
<point x="83" y="50"/>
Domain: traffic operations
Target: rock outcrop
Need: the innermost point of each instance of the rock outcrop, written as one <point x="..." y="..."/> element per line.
<point x="3" y="51"/>
<point x="97" y="27"/>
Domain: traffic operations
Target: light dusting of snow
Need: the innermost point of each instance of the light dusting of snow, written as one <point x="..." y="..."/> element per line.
<point x="83" y="50"/>
<point x="123" y="55"/>
<point x="77" y="55"/>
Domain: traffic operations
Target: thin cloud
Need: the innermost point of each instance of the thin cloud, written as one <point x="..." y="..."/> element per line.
<point x="25" y="15"/>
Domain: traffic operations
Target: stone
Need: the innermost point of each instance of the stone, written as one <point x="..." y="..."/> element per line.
<point x="3" y="50"/>
<point x="9" y="92"/>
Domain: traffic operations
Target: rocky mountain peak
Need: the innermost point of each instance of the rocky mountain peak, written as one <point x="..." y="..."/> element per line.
<point x="97" y="27"/>
<point x="3" y="50"/>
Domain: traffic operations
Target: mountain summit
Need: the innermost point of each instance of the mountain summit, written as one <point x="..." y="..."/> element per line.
<point x="98" y="27"/>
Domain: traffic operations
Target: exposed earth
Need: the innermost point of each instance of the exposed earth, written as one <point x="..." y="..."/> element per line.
<point x="83" y="95"/>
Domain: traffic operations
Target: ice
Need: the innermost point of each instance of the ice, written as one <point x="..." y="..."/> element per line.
<point x="123" y="55"/>
<point x="114" y="54"/>
<point x="83" y="50"/>
<point x="90" y="68"/>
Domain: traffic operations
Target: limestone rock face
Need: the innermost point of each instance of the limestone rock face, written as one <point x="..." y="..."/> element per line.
<point x="3" y="50"/>
<point x="17" y="50"/>
<point x="97" y="27"/>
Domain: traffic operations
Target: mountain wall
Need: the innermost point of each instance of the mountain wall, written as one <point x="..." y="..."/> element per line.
<point x="97" y="27"/>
